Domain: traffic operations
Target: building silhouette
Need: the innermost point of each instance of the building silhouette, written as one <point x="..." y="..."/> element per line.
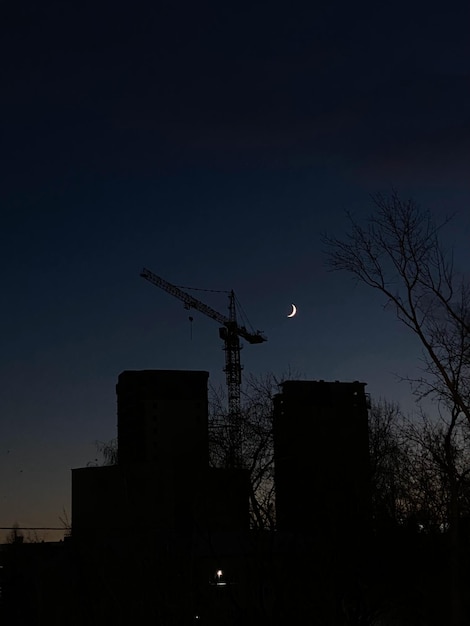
<point x="161" y="537"/>
<point x="162" y="418"/>
<point x="162" y="480"/>
<point x="321" y="458"/>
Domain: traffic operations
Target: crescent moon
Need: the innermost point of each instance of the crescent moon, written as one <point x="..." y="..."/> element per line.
<point x="294" y="311"/>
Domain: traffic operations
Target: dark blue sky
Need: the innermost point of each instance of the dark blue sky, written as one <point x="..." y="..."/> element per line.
<point x="212" y="143"/>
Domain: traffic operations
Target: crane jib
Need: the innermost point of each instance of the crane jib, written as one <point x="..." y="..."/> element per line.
<point x="230" y="334"/>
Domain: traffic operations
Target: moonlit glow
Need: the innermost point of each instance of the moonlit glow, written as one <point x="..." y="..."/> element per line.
<point x="294" y="311"/>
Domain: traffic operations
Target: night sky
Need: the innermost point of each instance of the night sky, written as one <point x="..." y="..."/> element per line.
<point x="213" y="143"/>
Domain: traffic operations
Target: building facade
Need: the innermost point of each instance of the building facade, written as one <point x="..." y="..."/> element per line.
<point x="322" y="457"/>
<point x="163" y="418"/>
<point x="162" y="480"/>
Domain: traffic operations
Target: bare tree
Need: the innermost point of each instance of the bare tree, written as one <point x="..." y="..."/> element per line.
<point x="400" y="253"/>
<point x="388" y="461"/>
<point x="65" y="521"/>
<point x="256" y="422"/>
<point x="420" y="470"/>
<point x="108" y="451"/>
<point x="257" y="440"/>
<point x="15" y="536"/>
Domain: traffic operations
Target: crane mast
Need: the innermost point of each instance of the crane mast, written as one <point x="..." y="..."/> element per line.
<point x="230" y="333"/>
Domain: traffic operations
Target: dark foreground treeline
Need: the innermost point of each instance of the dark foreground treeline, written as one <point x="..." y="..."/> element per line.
<point x="397" y="577"/>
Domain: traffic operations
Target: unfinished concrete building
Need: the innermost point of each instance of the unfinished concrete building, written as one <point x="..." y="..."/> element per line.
<point x="162" y="481"/>
<point x="322" y="457"/>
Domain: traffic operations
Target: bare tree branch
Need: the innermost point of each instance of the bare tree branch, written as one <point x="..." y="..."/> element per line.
<point x="399" y="253"/>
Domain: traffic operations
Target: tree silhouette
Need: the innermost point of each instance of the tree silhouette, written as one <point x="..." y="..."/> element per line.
<point x="399" y="252"/>
<point x="257" y="448"/>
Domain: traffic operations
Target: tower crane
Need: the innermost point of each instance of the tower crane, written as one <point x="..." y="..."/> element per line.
<point x="230" y="332"/>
